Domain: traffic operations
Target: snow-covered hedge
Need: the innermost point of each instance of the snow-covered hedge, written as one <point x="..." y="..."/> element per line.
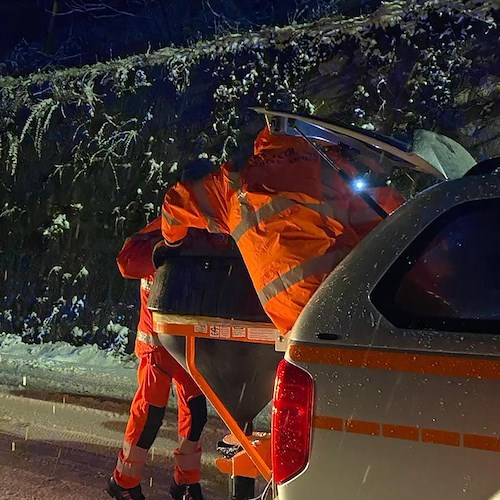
<point x="87" y="153"/>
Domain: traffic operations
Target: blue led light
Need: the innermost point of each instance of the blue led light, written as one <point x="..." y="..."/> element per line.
<point x="359" y="184"/>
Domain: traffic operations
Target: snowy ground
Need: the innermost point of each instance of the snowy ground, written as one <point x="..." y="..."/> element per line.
<point x="63" y="411"/>
<point x="61" y="367"/>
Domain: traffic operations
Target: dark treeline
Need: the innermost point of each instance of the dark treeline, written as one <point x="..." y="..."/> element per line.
<point x="57" y="33"/>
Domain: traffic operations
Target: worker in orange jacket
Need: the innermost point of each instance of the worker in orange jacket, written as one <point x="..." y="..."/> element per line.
<point x="157" y="369"/>
<point x="291" y="215"/>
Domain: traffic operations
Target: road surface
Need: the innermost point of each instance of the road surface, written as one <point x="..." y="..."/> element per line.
<point x="56" y="446"/>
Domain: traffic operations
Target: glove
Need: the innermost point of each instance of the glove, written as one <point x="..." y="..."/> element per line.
<point x="162" y="252"/>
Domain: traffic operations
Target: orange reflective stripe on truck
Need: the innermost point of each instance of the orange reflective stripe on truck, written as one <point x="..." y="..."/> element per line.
<point x="421" y="363"/>
<point x="429" y="364"/>
<point x="407" y="433"/>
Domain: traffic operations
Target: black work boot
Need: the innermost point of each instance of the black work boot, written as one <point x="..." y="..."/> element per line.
<point x="116" y="491"/>
<point x="185" y="491"/>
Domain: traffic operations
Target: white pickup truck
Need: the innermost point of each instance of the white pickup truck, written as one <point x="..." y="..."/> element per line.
<point x="390" y="386"/>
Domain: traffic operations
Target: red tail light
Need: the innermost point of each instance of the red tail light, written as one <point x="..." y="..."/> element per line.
<point x="291" y="421"/>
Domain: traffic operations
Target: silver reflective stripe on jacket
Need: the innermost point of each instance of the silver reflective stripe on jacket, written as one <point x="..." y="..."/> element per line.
<point x="146" y="284"/>
<point x="234" y="180"/>
<point x="322" y="208"/>
<point x="251" y="218"/>
<point x="170" y="219"/>
<point x="148" y="338"/>
<point x="317" y="265"/>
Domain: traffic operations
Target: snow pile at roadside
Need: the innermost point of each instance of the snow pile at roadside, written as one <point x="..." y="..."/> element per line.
<point x="62" y="367"/>
<point x="53" y="353"/>
<point x="84" y="370"/>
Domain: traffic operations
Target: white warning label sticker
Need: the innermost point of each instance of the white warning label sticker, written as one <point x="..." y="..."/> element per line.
<point x="261" y="334"/>
<point x="239" y="332"/>
<point x="225" y="332"/>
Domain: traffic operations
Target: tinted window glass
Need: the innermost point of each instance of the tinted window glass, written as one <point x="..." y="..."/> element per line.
<point x="449" y="279"/>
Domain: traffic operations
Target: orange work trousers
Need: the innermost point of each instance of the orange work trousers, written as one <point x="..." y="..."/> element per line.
<point x="157" y="370"/>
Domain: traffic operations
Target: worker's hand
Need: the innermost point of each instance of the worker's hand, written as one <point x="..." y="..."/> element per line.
<point x="162" y="252"/>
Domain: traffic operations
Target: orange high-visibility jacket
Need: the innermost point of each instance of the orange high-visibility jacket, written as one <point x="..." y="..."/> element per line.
<point x="135" y="262"/>
<point x="291" y="215"/>
<point x="135" y="257"/>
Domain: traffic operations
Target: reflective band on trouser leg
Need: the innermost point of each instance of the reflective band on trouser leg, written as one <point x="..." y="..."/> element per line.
<point x="131" y="460"/>
<point x="317" y="265"/>
<point x="146" y="414"/>
<point x="200" y="194"/>
<point x="187" y="458"/>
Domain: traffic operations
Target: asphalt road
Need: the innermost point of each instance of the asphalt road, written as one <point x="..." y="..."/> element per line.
<point x="55" y="446"/>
